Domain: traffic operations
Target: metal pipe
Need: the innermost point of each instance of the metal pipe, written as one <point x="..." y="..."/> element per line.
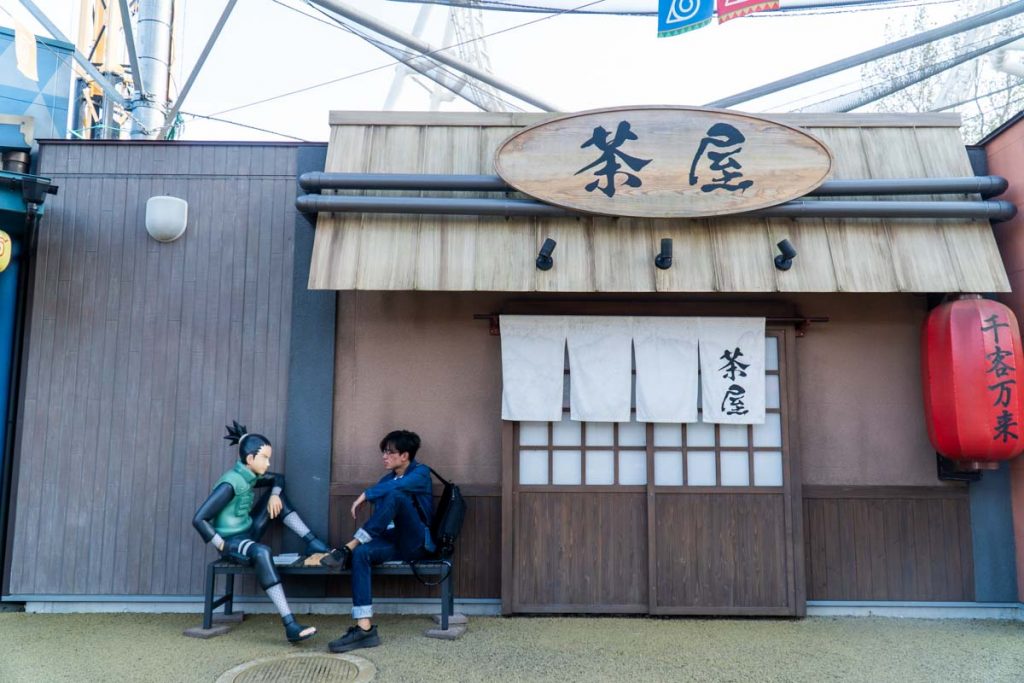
<point x="108" y="88"/>
<point x="428" y="50"/>
<point x="987" y="186"/>
<point x="996" y="210"/>
<point x="993" y="209"/>
<point x="173" y="113"/>
<point x="129" y="39"/>
<point x="315" y="181"/>
<point x="154" y="25"/>
<point x="862" y="96"/>
<point x="871" y="55"/>
<point x="316" y="203"/>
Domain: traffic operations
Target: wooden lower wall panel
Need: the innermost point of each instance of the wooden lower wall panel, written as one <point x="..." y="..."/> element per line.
<point x="888" y="543"/>
<point x="580" y="552"/>
<point x="720" y="550"/>
<point x="477" y="553"/>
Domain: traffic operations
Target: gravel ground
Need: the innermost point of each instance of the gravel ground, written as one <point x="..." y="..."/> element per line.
<point x="146" y="647"/>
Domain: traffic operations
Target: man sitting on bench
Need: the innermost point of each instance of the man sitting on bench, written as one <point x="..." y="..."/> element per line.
<point x="225" y="521"/>
<point x="398" y="529"/>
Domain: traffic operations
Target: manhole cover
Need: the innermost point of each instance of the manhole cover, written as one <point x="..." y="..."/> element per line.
<point x="312" y="667"/>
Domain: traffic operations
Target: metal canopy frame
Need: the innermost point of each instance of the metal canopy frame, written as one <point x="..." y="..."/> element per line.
<point x="986" y="186"/>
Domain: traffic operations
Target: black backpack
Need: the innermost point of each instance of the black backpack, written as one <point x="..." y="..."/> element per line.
<point x="451" y="510"/>
<point x="448" y="516"/>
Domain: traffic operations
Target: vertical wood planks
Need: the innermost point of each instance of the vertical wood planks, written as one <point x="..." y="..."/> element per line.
<point x="140" y="352"/>
<point x="888" y="543"/>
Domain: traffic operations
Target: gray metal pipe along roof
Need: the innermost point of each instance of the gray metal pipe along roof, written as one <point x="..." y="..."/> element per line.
<point x="986" y="186"/>
<point x="994" y="210"/>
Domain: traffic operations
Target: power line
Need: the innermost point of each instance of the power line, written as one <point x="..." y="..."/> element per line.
<point x="456" y="76"/>
<point x="243" y="125"/>
<point x="406" y="61"/>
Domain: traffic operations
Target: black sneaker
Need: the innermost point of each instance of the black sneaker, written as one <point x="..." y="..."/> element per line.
<point x="339" y="557"/>
<point x="355" y="638"/>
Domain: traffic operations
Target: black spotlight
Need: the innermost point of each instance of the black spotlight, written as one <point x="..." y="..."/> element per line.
<point x="544" y="260"/>
<point x="784" y="261"/>
<point x="664" y="259"/>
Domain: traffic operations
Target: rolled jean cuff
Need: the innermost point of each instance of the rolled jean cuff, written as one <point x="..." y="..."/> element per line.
<point x="362" y="536"/>
<point x="362" y="611"/>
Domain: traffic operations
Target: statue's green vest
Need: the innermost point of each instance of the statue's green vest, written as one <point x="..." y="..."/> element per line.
<point x="234" y="518"/>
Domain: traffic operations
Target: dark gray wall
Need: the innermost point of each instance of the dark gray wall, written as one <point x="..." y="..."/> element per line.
<point x="311" y="374"/>
<point x="139" y="354"/>
<point x="995" y="564"/>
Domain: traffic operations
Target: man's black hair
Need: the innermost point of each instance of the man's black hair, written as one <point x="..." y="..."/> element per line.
<point x="401" y="440"/>
<point x="248" y="444"/>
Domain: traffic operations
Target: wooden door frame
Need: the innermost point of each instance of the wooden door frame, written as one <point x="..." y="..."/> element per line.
<point x="793" y="506"/>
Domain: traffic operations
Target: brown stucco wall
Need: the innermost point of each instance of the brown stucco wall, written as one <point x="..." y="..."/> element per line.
<point x="420" y="361"/>
<point x="860" y="407"/>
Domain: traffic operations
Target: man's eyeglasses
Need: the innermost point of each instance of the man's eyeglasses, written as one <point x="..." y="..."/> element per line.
<point x="388" y="452"/>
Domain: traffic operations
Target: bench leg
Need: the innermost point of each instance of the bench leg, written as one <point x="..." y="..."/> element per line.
<point x="451" y="589"/>
<point x="208" y="598"/>
<point x="446" y="602"/>
<point x="229" y="593"/>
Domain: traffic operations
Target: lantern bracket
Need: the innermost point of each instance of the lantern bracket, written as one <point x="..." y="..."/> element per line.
<point x="948" y="470"/>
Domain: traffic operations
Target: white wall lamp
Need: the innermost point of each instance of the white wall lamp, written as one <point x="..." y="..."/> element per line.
<point x="166" y="218"/>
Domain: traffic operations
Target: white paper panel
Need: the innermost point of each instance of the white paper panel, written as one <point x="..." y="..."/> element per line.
<point x="772" y="396"/>
<point x="566" y="433"/>
<point x="732" y="435"/>
<point x="735" y="469"/>
<point x="600" y="434"/>
<point x="769" y="433"/>
<point x="767" y="468"/>
<point x="566" y="467"/>
<point x="632" y="434"/>
<point x="700" y="434"/>
<point x="600" y="467"/>
<point x="533" y="467"/>
<point x="668" y="434"/>
<point x="533" y="433"/>
<point x="632" y="468"/>
<point x="700" y="468"/>
<point x="668" y="468"/>
<point x="771" y="353"/>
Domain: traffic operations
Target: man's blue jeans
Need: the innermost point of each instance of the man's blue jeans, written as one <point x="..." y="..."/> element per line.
<point x="405" y="541"/>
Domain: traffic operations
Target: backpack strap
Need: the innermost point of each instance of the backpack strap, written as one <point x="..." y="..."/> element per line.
<point x="434" y="472"/>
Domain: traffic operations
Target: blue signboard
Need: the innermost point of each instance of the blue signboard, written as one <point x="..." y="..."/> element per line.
<point x="46" y="101"/>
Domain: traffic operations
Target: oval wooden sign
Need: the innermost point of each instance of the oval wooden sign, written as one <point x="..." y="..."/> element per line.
<point x="663" y="162"/>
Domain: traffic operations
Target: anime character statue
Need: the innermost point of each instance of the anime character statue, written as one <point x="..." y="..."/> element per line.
<point x="230" y="521"/>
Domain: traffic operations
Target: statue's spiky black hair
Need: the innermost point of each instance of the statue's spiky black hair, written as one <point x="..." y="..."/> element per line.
<point x="235" y="432"/>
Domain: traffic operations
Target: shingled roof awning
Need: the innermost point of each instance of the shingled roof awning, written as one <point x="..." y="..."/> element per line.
<point x="594" y="254"/>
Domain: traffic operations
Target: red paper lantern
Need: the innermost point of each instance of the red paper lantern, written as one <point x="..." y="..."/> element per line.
<point x="970" y="354"/>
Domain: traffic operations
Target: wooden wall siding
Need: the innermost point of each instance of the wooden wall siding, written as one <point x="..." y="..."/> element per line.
<point x="580" y="552"/>
<point x="888" y="543"/>
<point x="720" y="550"/>
<point x="477" y="552"/>
<point x="140" y="352"/>
<point x="466" y="253"/>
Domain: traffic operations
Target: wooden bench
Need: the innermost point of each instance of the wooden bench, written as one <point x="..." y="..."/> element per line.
<point x="435" y="567"/>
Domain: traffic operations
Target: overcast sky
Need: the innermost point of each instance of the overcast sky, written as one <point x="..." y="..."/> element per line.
<point x="575" y="62"/>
